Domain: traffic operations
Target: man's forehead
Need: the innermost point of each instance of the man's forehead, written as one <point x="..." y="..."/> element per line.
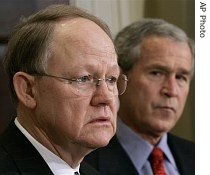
<point x="77" y="27"/>
<point x="83" y="33"/>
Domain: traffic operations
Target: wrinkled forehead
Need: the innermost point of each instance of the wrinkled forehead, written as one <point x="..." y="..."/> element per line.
<point x="83" y="32"/>
<point x="81" y="41"/>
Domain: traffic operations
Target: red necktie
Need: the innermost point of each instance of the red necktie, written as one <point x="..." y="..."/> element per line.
<point x="157" y="161"/>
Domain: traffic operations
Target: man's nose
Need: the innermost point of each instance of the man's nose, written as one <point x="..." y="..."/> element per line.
<point x="170" y="86"/>
<point x="102" y="95"/>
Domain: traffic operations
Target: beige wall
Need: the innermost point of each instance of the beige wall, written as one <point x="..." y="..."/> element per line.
<point x="116" y="13"/>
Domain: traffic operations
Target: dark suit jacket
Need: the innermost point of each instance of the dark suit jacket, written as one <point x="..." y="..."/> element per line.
<point x="18" y="156"/>
<point x="113" y="160"/>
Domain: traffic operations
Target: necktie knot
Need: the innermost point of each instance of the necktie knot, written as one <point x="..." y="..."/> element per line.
<point x="157" y="159"/>
<point x="157" y="154"/>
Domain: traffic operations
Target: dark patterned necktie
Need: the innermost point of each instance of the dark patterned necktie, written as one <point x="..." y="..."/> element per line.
<point x="157" y="161"/>
<point x="76" y="173"/>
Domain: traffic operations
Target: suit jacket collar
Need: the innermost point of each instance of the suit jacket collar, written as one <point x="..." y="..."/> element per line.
<point x="86" y="169"/>
<point x="26" y="159"/>
<point x="114" y="151"/>
<point x="184" y="154"/>
<point x="114" y="154"/>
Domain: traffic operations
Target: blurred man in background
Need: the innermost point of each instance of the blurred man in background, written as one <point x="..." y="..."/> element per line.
<point x="158" y="59"/>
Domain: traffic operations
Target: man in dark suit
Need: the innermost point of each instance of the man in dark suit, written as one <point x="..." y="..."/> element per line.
<point x="18" y="156"/>
<point x="158" y="59"/>
<point x="65" y="81"/>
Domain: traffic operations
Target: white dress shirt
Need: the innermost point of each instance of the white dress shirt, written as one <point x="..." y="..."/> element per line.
<point x="55" y="163"/>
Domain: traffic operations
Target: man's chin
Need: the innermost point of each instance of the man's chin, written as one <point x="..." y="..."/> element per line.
<point x="99" y="142"/>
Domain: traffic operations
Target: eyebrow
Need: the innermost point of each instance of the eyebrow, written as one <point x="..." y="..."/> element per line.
<point x="168" y="70"/>
<point x="92" y="67"/>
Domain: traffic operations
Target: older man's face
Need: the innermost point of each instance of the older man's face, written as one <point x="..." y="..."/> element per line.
<point x="80" y="48"/>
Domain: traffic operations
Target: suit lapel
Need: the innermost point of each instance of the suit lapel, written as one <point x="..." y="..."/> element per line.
<point x="114" y="151"/>
<point x="86" y="169"/>
<point x="183" y="152"/>
<point x="25" y="157"/>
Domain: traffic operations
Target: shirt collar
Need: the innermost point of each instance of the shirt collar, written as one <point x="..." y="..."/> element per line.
<point x="163" y="144"/>
<point x="55" y="163"/>
<point x="131" y="142"/>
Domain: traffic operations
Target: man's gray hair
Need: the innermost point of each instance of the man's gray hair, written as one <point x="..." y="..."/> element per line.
<point x="129" y="40"/>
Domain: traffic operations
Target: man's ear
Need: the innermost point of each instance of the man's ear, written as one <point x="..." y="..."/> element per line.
<point x="24" y="88"/>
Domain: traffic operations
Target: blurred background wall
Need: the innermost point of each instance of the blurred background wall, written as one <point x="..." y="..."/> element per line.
<point x="117" y="14"/>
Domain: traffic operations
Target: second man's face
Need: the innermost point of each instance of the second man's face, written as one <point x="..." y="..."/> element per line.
<point x="158" y="86"/>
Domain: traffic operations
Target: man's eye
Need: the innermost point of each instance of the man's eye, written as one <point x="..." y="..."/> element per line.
<point x="83" y="79"/>
<point x="156" y="73"/>
<point x="181" y="78"/>
<point x="111" y="80"/>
